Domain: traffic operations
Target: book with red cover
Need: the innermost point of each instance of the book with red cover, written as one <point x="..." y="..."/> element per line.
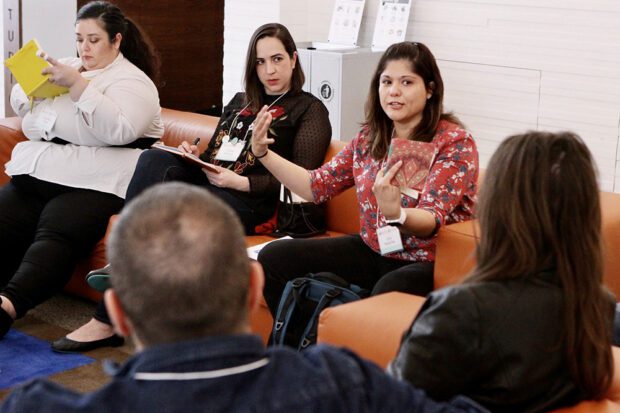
<point x="417" y="159"/>
<point x="187" y="156"/>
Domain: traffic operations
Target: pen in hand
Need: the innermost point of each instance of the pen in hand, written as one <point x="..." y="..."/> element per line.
<point x="196" y="141"/>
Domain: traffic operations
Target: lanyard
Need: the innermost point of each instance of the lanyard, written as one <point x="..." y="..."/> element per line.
<point x="234" y="122"/>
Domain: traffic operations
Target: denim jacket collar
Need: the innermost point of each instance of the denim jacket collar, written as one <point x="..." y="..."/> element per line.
<point x="211" y="353"/>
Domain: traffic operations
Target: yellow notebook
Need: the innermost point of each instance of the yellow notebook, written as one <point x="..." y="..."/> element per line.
<point x="26" y="66"/>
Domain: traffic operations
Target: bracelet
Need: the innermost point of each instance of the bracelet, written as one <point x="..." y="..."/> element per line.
<point x="263" y="155"/>
<point x="398" y="221"/>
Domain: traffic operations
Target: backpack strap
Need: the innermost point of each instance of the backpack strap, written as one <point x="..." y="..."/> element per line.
<point x="285" y="309"/>
<point x="310" y="332"/>
<point x="330" y="278"/>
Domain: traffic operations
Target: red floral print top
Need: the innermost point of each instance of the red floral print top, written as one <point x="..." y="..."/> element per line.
<point x="449" y="193"/>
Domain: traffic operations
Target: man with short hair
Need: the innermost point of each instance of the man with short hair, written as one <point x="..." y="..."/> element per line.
<point x="183" y="288"/>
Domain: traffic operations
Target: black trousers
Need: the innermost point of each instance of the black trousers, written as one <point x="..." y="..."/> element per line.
<point x="45" y="228"/>
<point x="157" y="166"/>
<point x="347" y="256"/>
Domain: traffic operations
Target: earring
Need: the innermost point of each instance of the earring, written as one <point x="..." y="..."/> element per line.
<point x="428" y="96"/>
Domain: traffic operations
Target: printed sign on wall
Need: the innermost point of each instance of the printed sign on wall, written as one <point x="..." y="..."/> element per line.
<point x="12" y="43"/>
<point x="391" y="24"/>
<point x="346" y="21"/>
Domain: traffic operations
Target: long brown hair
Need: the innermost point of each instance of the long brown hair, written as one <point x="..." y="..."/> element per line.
<point x="539" y="208"/>
<point x="254" y="89"/>
<point x="424" y="65"/>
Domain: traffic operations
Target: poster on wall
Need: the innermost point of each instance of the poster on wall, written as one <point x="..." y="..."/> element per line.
<point x="346" y="21"/>
<point x="391" y="24"/>
<point x="11" y="46"/>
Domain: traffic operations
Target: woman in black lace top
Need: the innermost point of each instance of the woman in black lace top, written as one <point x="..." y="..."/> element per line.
<point x="300" y="128"/>
<point x="301" y="131"/>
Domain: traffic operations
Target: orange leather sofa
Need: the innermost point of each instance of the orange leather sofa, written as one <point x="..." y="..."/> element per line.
<point x="341" y="213"/>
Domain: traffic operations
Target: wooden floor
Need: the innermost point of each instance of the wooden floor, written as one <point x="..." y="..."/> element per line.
<point x="81" y="379"/>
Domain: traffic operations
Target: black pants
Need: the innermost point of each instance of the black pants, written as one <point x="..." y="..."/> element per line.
<point x="347" y="256"/>
<point x="45" y="228"/>
<point x="157" y="166"/>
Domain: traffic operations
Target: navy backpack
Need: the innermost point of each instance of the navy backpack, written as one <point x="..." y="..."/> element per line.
<point x="301" y="304"/>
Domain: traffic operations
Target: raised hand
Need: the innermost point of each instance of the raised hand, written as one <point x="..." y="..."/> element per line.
<point x="388" y="195"/>
<point x="260" y="139"/>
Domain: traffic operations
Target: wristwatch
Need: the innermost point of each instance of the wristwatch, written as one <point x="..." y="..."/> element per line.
<point x="398" y="221"/>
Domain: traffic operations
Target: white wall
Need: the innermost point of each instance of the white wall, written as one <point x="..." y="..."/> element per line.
<point x="510" y="65"/>
<point x="242" y="17"/>
<point x="51" y="22"/>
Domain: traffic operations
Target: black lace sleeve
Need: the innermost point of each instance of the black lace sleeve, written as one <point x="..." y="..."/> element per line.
<point x="311" y="141"/>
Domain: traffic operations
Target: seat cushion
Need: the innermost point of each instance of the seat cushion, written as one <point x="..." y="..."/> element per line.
<point x="372" y="327"/>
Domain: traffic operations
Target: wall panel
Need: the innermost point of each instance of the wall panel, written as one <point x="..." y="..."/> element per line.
<point x="189" y="38"/>
<point x="565" y="53"/>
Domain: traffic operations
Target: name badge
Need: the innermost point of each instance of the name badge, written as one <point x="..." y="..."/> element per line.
<point x="46" y="119"/>
<point x="230" y="151"/>
<point x="389" y="239"/>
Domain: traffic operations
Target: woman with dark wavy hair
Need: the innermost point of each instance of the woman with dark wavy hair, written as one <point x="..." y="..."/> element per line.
<point x="529" y="330"/>
<point x="72" y="173"/>
<point x="405" y="101"/>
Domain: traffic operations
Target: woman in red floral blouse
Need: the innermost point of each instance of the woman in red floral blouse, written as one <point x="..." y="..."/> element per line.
<point x="404" y="101"/>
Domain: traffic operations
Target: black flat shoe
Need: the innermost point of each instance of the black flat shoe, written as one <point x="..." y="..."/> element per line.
<point x="66" y="345"/>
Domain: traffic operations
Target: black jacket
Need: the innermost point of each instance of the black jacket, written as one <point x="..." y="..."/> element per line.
<point x="499" y="343"/>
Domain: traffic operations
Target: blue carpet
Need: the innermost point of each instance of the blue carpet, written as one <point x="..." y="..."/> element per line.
<point x="23" y="358"/>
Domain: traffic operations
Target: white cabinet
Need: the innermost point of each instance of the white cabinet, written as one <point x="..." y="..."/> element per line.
<point x="341" y="79"/>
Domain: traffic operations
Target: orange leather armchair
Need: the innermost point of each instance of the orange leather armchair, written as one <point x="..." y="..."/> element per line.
<point x="456" y="244"/>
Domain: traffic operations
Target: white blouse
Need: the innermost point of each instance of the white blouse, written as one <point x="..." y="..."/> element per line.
<point x="119" y="105"/>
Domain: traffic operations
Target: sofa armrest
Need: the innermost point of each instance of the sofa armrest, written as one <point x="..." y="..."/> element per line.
<point x="454" y="252"/>
<point x="372" y="327"/>
<point x="611" y="403"/>
<point x="456" y="244"/>
<point x="610" y="216"/>
<point x="10" y="135"/>
<point x="182" y="126"/>
<point x="614" y="390"/>
<point x="603" y="406"/>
